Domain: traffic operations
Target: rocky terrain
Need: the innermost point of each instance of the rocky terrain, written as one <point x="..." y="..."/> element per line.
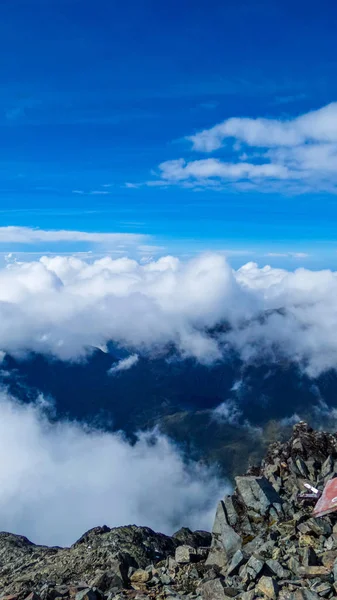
<point x="265" y="543"/>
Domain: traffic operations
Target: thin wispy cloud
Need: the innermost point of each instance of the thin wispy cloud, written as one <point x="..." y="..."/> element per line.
<point x="125" y="364"/>
<point x="28" y="235"/>
<point x="297" y="255"/>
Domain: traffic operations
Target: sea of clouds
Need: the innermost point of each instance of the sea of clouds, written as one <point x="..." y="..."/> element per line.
<point x="60" y="479"/>
<point x="65" y="305"/>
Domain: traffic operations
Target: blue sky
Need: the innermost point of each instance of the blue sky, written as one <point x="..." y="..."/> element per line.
<point x="97" y="95"/>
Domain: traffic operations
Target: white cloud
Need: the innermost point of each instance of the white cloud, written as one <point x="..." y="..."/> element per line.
<point x="27" y="235"/>
<point x="297" y="255"/>
<point x="60" y="479"/>
<point x="295" y="155"/>
<point x="179" y="170"/>
<point x="316" y="126"/>
<point x="64" y="305"/>
<point x="132" y="185"/>
<point x="99" y="192"/>
<point x="228" y="412"/>
<point x="125" y="364"/>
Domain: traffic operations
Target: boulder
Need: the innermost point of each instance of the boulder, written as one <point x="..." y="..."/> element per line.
<point x="225" y="540"/>
<point x="185" y="554"/>
<point x="258" y="494"/>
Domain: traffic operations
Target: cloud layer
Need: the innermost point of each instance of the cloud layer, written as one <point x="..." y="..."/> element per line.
<point x="58" y="480"/>
<point x="28" y="235"/>
<point x="298" y="154"/>
<point x="64" y="305"/>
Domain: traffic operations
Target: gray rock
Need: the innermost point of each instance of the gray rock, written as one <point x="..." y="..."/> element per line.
<point x="334" y="570"/>
<point x="315" y="526"/>
<point x="302" y="467"/>
<point x="212" y="590"/>
<point x="327" y="467"/>
<point x="248" y="595"/>
<point x="276" y="568"/>
<point x="230" y="511"/>
<point x="305" y="594"/>
<point x="225" y="541"/>
<point x="269" y="587"/>
<point x="309" y="557"/>
<point x="88" y="594"/>
<point x="254" y="567"/>
<point x="237" y="561"/>
<point x="258" y="494"/>
<point x="196" y="539"/>
<point x="294" y="565"/>
<point x="322" y="588"/>
<point x="185" y="554"/>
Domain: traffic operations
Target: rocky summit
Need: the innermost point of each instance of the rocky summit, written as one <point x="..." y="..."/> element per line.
<point x="265" y="543"/>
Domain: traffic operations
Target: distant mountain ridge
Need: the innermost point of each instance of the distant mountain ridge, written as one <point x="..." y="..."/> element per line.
<point x="180" y="396"/>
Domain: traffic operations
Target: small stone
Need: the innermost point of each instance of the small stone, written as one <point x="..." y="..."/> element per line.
<point x="314" y="571"/>
<point x="330" y="543"/>
<point x="185" y="554"/>
<point x="140" y="576"/>
<point x="334" y="570"/>
<point x="294" y="565"/>
<point x="171" y="563"/>
<point x="165" y="579"/>
<point x="305" y="594"/>
<point x="327" y="467"/>
<point x="268" y="586"/>
<point x="250" y="595"/>
<point x="212" y="590"/>
<point x="302" y="467"/>
<point x="328" y="558"/>
<point x="276" y="568"/>
<point x="237" y="561"/>
<point x="252" y="569"/>
<point x="315" y="526"/>
<point x="322" y="588"/>
<point x="309" y="557"/>
<point x="307" y="540"/>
